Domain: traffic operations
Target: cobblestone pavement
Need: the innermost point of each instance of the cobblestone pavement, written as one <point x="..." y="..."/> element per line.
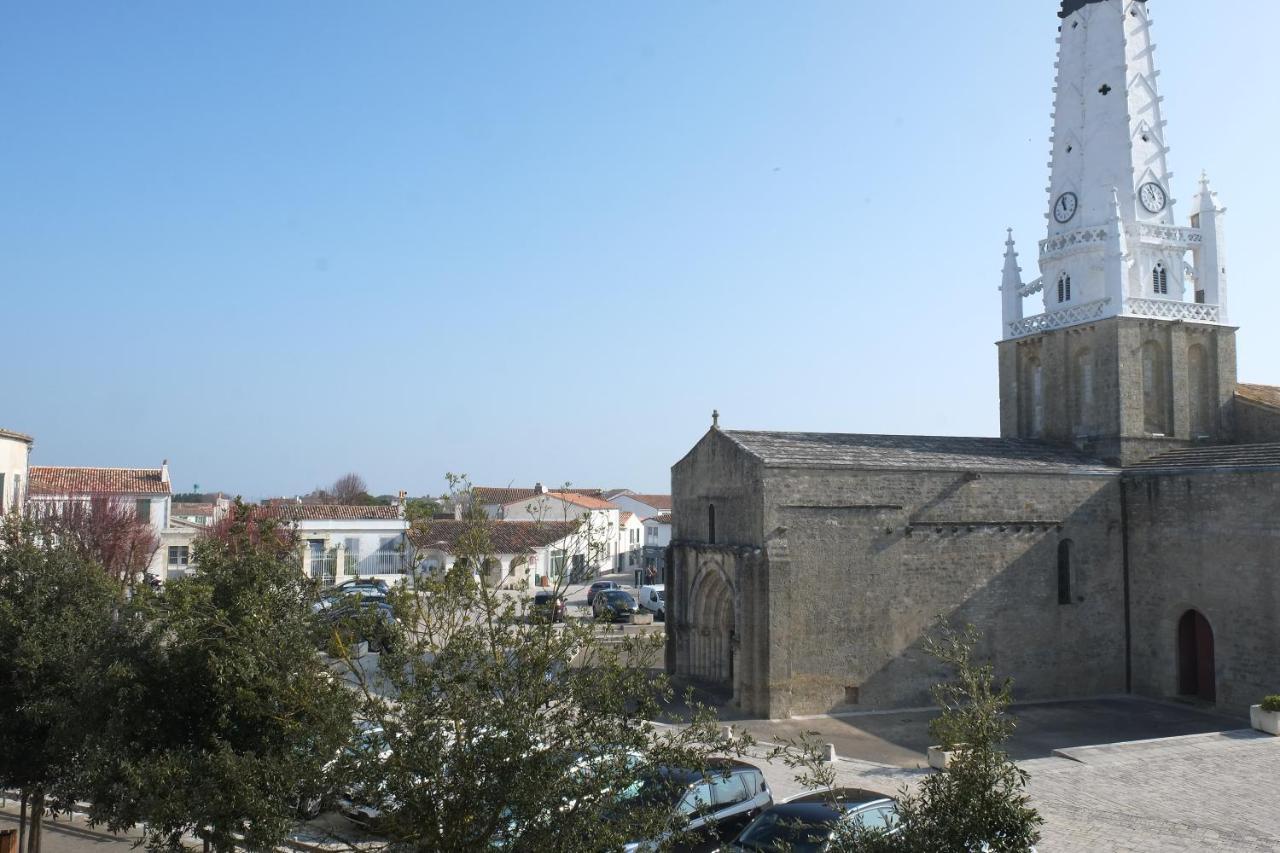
<point x="1202" y="793"/>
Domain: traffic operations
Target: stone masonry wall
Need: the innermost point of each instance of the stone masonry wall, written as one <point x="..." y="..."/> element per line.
<point x="1109" y="421"/>
<point x="873" y="557"/>
<point x="1208" y="541"/>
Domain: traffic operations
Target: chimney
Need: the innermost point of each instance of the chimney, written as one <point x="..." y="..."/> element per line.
<point x="401" y="501"/>
<point x="538" y="489"/>
<point x="164" y="471"/>
<point x="457" y="511"/>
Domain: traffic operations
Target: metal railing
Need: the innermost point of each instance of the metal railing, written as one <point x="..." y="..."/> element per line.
<point x="381" y="563"/>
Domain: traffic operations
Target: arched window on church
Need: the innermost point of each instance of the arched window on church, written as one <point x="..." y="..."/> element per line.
<point x="1200" y="389"/>
<point x="1155" y="389"/>
<point x="1032" y="394"/>
<point x="1064" y="288"/>
<point x="711" y="523"/>
<point x="1064" y="571"/>
<point x="1082" y="391"/>
<point x="1160" y="280"/>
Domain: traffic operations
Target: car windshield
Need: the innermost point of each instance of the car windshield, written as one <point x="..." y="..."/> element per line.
<point x="786" y="830"/>
<point x="657" y="593"/>
<point x="619" y="596"/>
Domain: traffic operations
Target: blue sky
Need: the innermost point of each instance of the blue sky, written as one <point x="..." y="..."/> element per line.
<point x="274" y="242"/>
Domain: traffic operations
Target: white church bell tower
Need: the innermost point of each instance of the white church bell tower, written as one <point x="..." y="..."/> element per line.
<point x="1113" y="246"/>
<point x="1129" y="352"/>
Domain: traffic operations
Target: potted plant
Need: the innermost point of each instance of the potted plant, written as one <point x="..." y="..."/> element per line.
<point x="1266" y="716"/>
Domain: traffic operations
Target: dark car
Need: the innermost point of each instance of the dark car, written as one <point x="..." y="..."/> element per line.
<point x="599" y="587"/>
<point x="809" y="823"/>
<point x="707" y="808"/>
<point x="356" y="620"/>
<point x="616" y="605"/>
<point x="547" y="605"/>
<point x="354" y="585"/>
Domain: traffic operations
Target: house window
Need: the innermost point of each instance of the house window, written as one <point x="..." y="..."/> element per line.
<point x="558" y="559"/>
<point x="1160" y="280"/>
<point x="1064" y="572"/>
<point x="179" y="556"/>
<point x="1064" y="288"/>
<point x="142" y="508"/>
<point x="711" y="523"/>
<point x="2" y="503"/>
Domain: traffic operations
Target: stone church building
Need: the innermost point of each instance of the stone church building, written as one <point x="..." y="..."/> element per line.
<point x="1122" y="536"/>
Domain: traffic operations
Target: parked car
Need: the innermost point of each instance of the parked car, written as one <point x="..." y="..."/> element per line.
<point x="599" y="587"/>
<point x="616" y="605"/>
<point x="710" y="807"/>
<point x="369" y="620"/>
<point x="652" y="598"/>
<point x="547" y="605"/>
<point x="366" y="590"/>
<point x="377" y="584"/>
<point x="809" y="822"/>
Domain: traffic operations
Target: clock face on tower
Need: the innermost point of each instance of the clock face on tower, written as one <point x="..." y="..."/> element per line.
<point x="1065" y="207"/>
<point x="1152" y="197"/>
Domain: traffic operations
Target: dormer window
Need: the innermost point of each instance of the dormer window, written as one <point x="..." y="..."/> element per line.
<point x="1064" y="288"/>
<point x="1160" y="280"/>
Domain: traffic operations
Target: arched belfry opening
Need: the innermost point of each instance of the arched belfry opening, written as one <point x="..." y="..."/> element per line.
<point x="712" y="629"/>
<point x="1196" y="673"/>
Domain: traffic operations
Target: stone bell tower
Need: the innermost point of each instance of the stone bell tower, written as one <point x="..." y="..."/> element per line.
<point x="1133" y="353"/>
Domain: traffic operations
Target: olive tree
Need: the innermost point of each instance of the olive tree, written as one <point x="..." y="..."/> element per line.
<point x="224" y="718"/>
<point x="57" y="609"/>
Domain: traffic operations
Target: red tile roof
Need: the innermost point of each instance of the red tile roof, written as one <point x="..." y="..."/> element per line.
<point x="1266" y="395"/>
<point x="47" y="480"/>
<point x="624" y="517"/>
<point x="665" y="518"/>
<point x="328" y="512"/>
<point x="504" y="537"/>
<point x="655" y="501"/>
<point x="192" y="509"/>
<point x="488" y="495"/>
<point x="584" y="501"/>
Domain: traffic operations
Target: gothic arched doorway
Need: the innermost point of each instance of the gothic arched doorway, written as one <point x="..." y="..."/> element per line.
<point x="713" y="629"/>
<point x="1195" y="657"/>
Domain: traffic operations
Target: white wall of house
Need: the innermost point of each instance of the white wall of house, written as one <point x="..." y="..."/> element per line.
<point x="542" y="567"/>
<point x="334" y="550"/>
<point x="656" y="534"/>
<point x="629" y="503"/>
<point x="15" y="454"/>
<point x="630" y="543"/>
<point x="601" y="528"/>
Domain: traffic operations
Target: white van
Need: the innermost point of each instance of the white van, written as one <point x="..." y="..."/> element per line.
<point x="651" y="599"/>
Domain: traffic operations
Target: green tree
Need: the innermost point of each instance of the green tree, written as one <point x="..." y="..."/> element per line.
<point x="980" y="802"/>
<point x="421" y="509"/>
<point x="502" y="730"/>
<point x="56" y="617"/>
<point x="223" y="718"/>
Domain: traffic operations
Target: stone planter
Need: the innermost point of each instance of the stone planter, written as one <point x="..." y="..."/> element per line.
<point x="641" y="618"/>
<point x="940" y="759"/>
<point x="1265" y="721"/>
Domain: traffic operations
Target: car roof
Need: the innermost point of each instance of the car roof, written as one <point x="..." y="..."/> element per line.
<point x="614" y="592"/>
<point x="715" y="766"/>
<point x="846" y="797"/>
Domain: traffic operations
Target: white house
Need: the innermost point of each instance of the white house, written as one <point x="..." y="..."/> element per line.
<point x="645" y="506"/>
<point x="15" y="453"/>
<point x="339" y="542"/>
<point x="630" y="541"/>
<point x="523" y="554"/>
<point x="657" y="536"/>
<point x="145" y="490"/>
<point x="600" y="519"/>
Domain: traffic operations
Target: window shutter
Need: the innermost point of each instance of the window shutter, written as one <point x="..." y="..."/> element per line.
<point x="2" y="504"/>
<point x="143" y="510"/>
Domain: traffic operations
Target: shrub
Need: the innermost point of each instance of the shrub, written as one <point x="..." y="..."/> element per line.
<point x="1271" y="703"/>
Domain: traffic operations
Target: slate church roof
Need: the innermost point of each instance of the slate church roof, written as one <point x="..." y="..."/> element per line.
<point x="1226" y="457"/>
<point x="912" y="452"/>
<point x="1262" y="395"/>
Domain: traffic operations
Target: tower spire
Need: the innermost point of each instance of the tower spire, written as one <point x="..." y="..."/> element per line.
<point x="1011" y="285"/>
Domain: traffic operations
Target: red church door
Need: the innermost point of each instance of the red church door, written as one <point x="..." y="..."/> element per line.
<point x="1195" y="657"/>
